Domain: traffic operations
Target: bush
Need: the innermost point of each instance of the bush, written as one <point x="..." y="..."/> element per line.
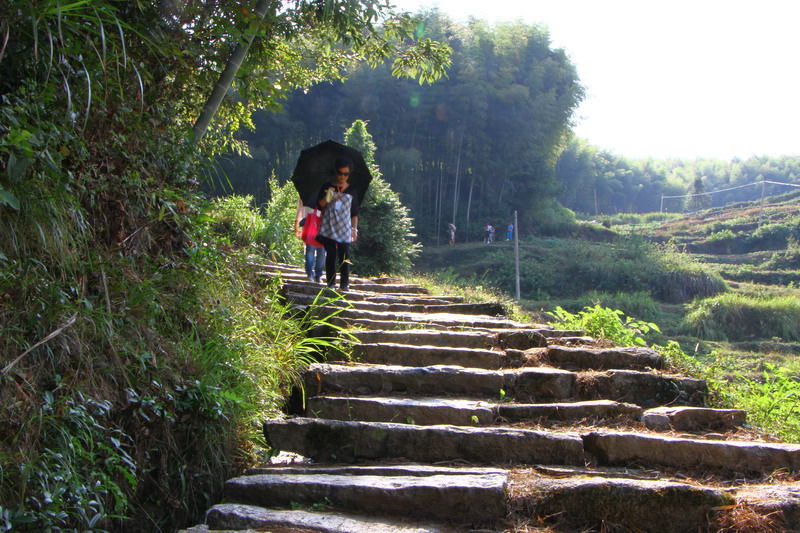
<point x="270" y="231"/>
<point x="570" y="268"/>
<point x="385" y="243"/>
<point x="769" y="237"/>
<point x="605" y="323"/>
<point x="784" y="259"/>
<point x="772" y="402"/>
<point x="738" y="317"/>
<point x="640" y="303"/>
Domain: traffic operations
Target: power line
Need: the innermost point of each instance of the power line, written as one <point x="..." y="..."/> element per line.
<point x="762" y="183"/>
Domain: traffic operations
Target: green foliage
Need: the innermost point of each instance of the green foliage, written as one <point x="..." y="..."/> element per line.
<point x="572" y="267"/>
<point x="140" y="346"/>
<point x="724" y="235"/>
<point x="82" y="475"/>
<point x="741" y="317"/>
<point x="772" y="401"/>
<point x="385" y="242"/>
<point x="239" y="221"/>
<point x="784" y="259"/>
<point x="606" y="323"/>
<point x="698" y="198"/>
<point x="269" y="231"/>
<point x="640" y="303"/>
<point x="486" y="135"/>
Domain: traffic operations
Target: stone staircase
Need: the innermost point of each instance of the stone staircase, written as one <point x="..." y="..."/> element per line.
<point x="435" y="415"/>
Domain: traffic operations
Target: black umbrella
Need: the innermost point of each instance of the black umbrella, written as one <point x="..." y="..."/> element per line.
<point x="315" y="167"/>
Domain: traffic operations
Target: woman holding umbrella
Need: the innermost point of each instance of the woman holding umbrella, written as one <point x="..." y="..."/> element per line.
<point x="339" y="226"/>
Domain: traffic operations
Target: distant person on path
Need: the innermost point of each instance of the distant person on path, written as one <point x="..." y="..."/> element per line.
<point x="315" y="257"/>
<point x="452" y="229"/>
<point x="339" y="226"/>
<point x="487" y="233"/>
<point x="510" y="232"/>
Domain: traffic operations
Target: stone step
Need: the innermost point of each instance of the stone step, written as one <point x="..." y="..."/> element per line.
<point x="410" y="355"/>
<point x="462" y="412"/>
<point x="746" y="457"/>
<point x="348" y="441"/>
<point x="587" y="358"/>
<point x="528" y="384"/>
<point x="693" y="419"/>
<point x="380" y="469"/>
<point x="400" y="305"/>
<point x="596" y="503"/>
<point x="304" y="288"/>
<point x="230" y="517"/>
<point x="383" y="325"/>
<point x="425" y="411"/>
<point x="427" y="337"/>
<point x="425" y="320"/>
<point x="345" y="441"/>
<point x="520" y="340"/>
<point x="546" y="384"/>
<point x="597" y="410"/>
<point x="297" y="274"/>
<point x="404" y="410"/>
<point x="471" y="499"/>
<point x="780" y="502"/>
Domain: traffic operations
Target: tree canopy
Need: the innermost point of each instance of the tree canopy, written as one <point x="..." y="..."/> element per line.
<point x="480" y="142"/>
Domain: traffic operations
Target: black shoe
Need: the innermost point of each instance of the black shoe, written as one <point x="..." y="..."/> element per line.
<point x="344" y="287"/>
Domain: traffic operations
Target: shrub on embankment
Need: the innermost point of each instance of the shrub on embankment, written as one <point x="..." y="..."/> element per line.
<point x="132" y="382"/>
<point x="568" y="268"/>
<point x="740" y="317"/>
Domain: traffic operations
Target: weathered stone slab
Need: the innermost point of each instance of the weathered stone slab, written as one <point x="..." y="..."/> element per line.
<point x="306" y="288"/>
<point x="395" y="304"/>
<point x="463" y="498"/>
<point x="693" y="418"/>
<point x="781" y="501"/>
<point x="418" y="411"/>
<point x="630" y="505"/>
<point x="425" y="337"/>
<point x="480" y="308"/>
<point x="522" y="339"/>
<point x="386" y="379"/>
<point x="739" y="456"/>
<point x="585" y="358"/>
<point x="569" y="411"/>
<point x="535" y="384"/>
<point x="409" y="355"/>
<point x="246" y="518"/>
<point x="325" y="440"/>
<point x="373" y="323"/>
<point x="453" y="320"/>
<point x="641" y="388"/>
<point x="376" y="470"/>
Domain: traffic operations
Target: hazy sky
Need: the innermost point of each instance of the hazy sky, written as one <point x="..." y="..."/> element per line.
<point x="678" y="78"/>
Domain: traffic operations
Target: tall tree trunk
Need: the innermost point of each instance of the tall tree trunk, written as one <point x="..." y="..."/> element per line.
<point x="469" y="205"/>
<point x="458" y="171"/>
<point x="226" y="78"/>
<point x="439" y="201"/>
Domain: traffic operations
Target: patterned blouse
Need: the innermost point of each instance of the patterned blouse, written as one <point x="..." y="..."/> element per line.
<point x="337" y="223"/>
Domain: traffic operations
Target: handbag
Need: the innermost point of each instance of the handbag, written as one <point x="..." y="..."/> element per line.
<point x="310" y="229"/>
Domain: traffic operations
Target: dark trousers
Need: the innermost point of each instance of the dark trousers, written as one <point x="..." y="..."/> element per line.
<point x="333" y="251"/>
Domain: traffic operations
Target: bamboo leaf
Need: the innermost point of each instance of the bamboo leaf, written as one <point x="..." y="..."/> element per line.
<point x="7" y="198"/>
